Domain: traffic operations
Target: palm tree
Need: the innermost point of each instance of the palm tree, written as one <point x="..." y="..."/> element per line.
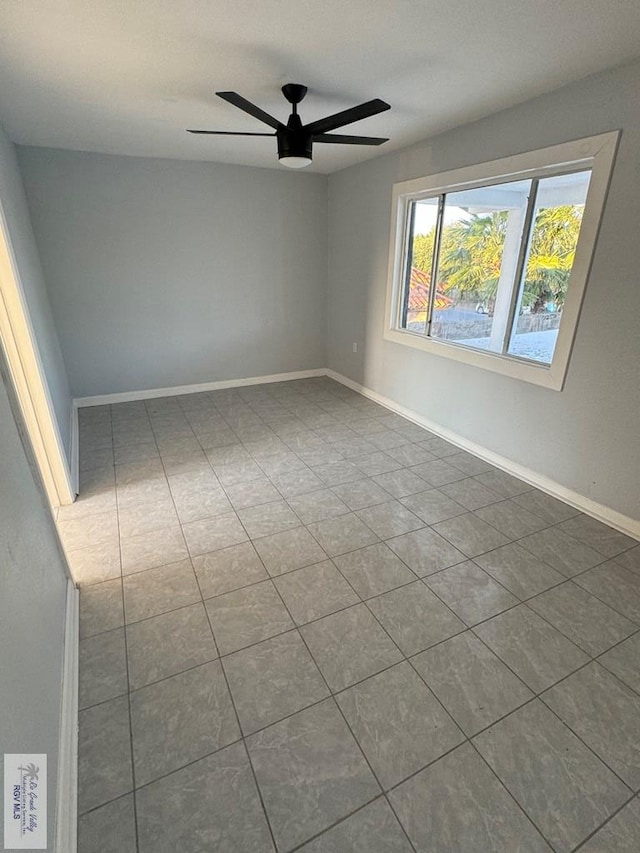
<point x="471" y="255"/>
<point x="554" y="238"/>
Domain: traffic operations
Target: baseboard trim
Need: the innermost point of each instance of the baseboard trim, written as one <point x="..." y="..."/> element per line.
<point x="75" y="450"/>
<point x="619" y="521"/>
<point x="176" y="390"/>
<point x="66" y="836"/>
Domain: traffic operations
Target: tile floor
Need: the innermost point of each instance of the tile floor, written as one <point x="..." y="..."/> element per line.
<point x="309" y="624"/>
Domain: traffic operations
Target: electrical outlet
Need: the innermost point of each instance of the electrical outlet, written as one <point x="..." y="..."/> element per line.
<point x="355" y="347"/>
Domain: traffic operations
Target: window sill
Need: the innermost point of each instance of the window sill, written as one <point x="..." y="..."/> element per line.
<point x="515" y="368"/>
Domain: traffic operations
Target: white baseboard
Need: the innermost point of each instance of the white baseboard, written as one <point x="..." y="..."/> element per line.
<point x="75" y="449"/>
<point x="67" y="784"/>
<point x="619" y="521"/>
<point x="151" y="393"/>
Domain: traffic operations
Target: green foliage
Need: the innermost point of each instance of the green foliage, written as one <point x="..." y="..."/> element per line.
<point x="471" y="255"/>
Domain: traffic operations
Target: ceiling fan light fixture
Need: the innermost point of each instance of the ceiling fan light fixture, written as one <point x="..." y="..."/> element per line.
<point x="294" y="147"/>
<point x="295" y="162"/>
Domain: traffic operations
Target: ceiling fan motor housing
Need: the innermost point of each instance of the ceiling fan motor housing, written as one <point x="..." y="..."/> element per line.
<point x="293" y="140"/>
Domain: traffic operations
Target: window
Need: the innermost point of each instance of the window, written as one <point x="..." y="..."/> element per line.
<point x="508" y="246"/>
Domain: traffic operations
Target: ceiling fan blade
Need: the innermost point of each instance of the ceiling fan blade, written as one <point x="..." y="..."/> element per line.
<point x="370" y="108"/>
<point x="243" y="104"/>
<point x="349" y="140"/>
<point x="228" y="133"/>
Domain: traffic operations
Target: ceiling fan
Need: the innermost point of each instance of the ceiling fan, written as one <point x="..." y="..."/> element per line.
<point x="295" y="140"/>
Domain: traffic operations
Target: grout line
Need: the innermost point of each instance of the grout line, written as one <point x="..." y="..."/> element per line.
<point x="126" y="665"/>
<point x="240" y="730"/>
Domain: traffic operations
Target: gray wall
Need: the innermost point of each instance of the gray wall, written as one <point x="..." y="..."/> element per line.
<point x="585" y="437"/>
<point x="33" y="586"/>
<point x="28" y="262"/>
<point x="164" y="273"/>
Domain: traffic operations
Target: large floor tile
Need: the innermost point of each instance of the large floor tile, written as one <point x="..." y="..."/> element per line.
<point x="299" y="482"/>
<point x="563" y="553"/>
<point x="180" y="719"/>
<point x="243" y="495"/>
<point x="471" y="494"/>
<point x="103" y="669"/>
<point x="398" y="722"/>
<point x="545" y="506"/>
<point x="349" y="646"/>
<point x="95" y="564"/>
<point x="433" y="505"/>
<point x="412" y="454"/>
<point x="438" y="472"/>
<point x="470" y="592"/>
<point x="630" y="559"/>
<point x="201" y="501"/>
<point x="597" y="535"/>
<point x="359" y="494"/>
<point x="228" y="569"/>
<point x="620" y="835"/>
<point x="211" y="534"/>
<point x="511" y="519"/>
<point x="470" y="534"/>
<point x="232" y="473"/>
<point x="310" y="772"/>
<point x="471" y="682"/>
<point x="503" y="483"/>
<point x="582" y="618"/>
<point x="519" y="571"/>
<point x="400" y="483"/>
<point x="104" y="753"/>
<point x="156" y="548"/>
<point x="376" y="463"/>
<point x="246" y="616"/>
<point x="624" y="661"/>
<point x="414" y="617"/>
<point x="566" y="791"/>
<point x="458" y="806"/>
<point x="167" y="644"/>
<point x="291" y="549"/>
<point x="372" y="829"/>
<point x="342" y="534"/>
<point x="468" y="463"/>
<point x="101" y="608"/>
<point x="605" y="713"/>
<point x="616" y="586"/>
<point x="99" y="529"/>
<point x="538" y="653"/>
<point x="389" y="519"/>
<point x="109" y="829"/>
<point x="210" y="805"/>
<point x="272" y="680"/>
<point x="268" y="519"/>
<point x="146" y="517"/>
<point x="336" y="473"/>
<point x="318" y="506"/>
<point x="315" y="591"/>
<point x="425" y="551"/>
<point x="159" y="590"/>
<point x="374" y="570"/>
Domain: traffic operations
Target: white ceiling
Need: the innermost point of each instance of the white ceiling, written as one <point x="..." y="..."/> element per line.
<point x="128" y="76"/>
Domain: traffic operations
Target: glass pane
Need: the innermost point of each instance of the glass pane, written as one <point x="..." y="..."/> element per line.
<point x="424" y="214"/>
<point x="482" y="231"/>
<point x="552" y="246"/>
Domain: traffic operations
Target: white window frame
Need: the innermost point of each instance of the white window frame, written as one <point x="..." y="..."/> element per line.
<point x="596" y="153"/>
